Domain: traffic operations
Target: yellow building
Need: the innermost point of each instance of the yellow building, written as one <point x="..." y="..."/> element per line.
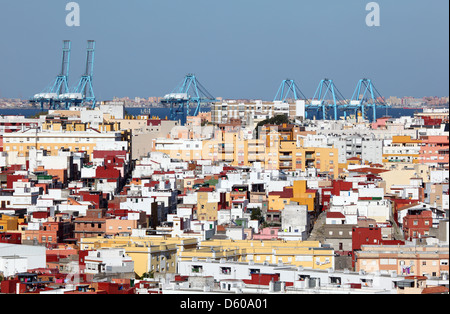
<point x="308" y="254"/>
<point x="56" y="136"/>
<point x="149" y="253"/>
<point x="298" y="193"/>
<point x="278" y="200"/>
<point x="271" y="150"/>
<point x="207" y="204"/>
<point x="210" y="253"/>
<point x="403" y="176"/>
<point x="9" y="223"/>
<point x="292" y="157"/>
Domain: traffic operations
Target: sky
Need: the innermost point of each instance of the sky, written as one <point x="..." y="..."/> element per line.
<point x="236" y="48"/>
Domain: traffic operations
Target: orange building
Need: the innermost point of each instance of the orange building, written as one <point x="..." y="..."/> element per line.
<point x="304" y="196"/>
<point x="50" y="233"/>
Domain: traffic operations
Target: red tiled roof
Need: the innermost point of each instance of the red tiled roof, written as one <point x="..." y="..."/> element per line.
<point x="286" y="193"/>
<point x="434" y="290"/>
<point x="369" y="170"/>
<point x="205" y="190"/>
<point x="40" y="215"/>
<point x="108" y="153"/>
<point x="335" y="215"/>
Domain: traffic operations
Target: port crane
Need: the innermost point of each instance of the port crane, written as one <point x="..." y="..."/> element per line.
<point x="289" y="90"/>
<point x="51" y="94"/>
<point x="365" y="97"/>
<point x="83" y="94"/>
<point x="58" y="94"/>
<point x="321" y="104"/>
<point x="187" y="99"/>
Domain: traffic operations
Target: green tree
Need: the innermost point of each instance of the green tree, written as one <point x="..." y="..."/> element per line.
<point x="276" y="120"/>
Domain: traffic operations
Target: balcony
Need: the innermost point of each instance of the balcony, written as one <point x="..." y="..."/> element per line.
<point x="285" y="165"/>
<point x="254" y="157"/>
<point x="309" y="155"/>
<point x="256" y="149"/>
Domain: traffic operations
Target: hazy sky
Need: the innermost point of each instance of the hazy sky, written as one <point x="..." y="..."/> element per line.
<point x="236" y="48"/>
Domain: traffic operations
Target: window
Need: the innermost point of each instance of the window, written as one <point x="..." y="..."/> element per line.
<point x="197" y="269"/>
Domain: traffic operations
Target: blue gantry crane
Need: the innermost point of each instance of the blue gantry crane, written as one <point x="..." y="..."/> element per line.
<point x="364" y="97"/>
<point x="321" y="104"/>
<point x="187" y="99"/>
<point x="82" y="94"/>
<point x="289" y="90"/>
<point x="58" y="93"/>
<point x="52" y="93"/>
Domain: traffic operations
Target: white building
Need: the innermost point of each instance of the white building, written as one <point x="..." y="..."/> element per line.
<point x="294" y="222"/>
<point x="108" y="261"/>
<point x="367" y="202"/>
<point x="34" y="255"/>
<point x="295" y="279"/>
<point x="11" y="265"/>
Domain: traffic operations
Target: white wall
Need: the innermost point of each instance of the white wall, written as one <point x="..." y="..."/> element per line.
<point x="36" y="257"/>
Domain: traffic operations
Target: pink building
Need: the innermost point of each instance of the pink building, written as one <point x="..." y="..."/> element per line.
<point x="435" y="150"/>
<point x="380" y="123"/>
<point x="269" y="233"/>
<point x="120" y="226"/>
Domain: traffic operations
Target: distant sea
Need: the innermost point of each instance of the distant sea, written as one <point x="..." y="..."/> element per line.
<point x="164" y="112"/>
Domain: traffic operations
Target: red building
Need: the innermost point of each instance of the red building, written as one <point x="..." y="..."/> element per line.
<point x="365" y="236"/>
<point x="10" y="237"/>
<point x="51" y="233"/>
<point x="368" y="236"/>
<point x="335" y="189"/>
<point x="95" y="197"/>
<point x="417" y="224"/>
<point x="264" y="279"/>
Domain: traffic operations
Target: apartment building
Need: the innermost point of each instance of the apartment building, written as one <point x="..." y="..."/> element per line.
<point x="417" y="224"/>
<point x="435" y="151"/>
<point x="91" y="225"/>
<point x="308" y="254"/>
<point x="291" y="158"/>
<point x="253" y="277"/>
<point x="75" y="137"/>
<point x="109" y="261"/>
<point x="429" y="260"/>
<point x="402" y="149"/>
<point x="157" y="254"/>
<point x="11" y="124"/>
<point x="252" y="112"/>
